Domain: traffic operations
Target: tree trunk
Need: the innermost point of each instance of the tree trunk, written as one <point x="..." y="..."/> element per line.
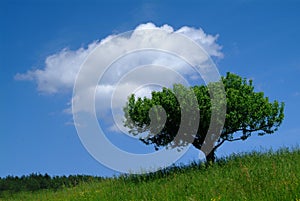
<point x="210" y="158"/>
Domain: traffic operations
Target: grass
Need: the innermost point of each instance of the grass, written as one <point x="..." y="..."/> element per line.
<point x="253" y="176"/>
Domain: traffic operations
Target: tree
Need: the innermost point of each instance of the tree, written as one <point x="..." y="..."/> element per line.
<point x="247" y="112"/>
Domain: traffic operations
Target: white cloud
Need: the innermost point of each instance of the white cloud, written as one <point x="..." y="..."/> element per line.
<point x="61" y="69"/>
<point x="206" y="41"/>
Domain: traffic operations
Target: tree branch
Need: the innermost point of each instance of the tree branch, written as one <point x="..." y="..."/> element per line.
<point x="236" y="139"/>
<point x="246" y="130"/>
<point x="218" y="145"/>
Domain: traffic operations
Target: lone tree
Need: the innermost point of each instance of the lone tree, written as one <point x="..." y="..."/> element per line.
<point x="247" y="112"/>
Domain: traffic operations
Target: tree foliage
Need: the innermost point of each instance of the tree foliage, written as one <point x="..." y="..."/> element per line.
<point x="34" y="182"/>
<point x="247" y="112"/>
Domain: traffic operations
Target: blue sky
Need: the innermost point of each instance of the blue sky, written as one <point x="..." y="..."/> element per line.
<point x="260" y="40"/>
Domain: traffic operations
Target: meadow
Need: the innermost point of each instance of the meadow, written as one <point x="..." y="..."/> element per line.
<point x="248" y="176"/>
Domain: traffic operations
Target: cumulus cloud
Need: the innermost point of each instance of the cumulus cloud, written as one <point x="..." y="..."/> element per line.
<point x="61" y="69"/>
<point x="206" y="41"/>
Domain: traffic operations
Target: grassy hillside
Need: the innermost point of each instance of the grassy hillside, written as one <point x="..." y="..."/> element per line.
<point x="255" y="176"/>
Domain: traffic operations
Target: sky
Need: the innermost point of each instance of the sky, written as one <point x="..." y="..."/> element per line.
<point x="44" y="43"/>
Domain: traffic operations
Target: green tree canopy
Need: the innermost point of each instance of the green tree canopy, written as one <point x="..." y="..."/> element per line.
<point x="160" y="116"/>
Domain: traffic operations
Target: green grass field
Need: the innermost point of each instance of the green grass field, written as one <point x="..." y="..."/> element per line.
<point x="254" y="176"/>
